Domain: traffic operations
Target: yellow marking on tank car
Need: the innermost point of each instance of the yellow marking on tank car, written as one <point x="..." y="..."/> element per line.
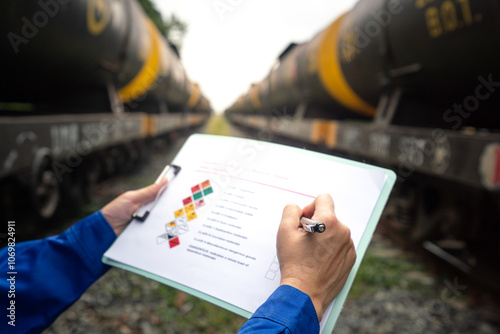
<point x="324" y="132"/>
<point x="149" y="71"/>
<point x="332" y="133"/>
<point x="193" y="120"/>
<point x="419" y="4"/>
<point x="195" y="95"/>
<point x="254" y="97"/>
<point x="331" y="75"/>
<point x="348" y="49"/>
<point x="445" y="18"/>
<point x="98" y="15"/>
<point x="149" y="127"/>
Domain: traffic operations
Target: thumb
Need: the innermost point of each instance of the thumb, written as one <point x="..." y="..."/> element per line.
<point x="147" y="194"/>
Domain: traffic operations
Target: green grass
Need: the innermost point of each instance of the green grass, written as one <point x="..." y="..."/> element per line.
<point x="218" y="125"/>
<point x="377" y="273"/>
<point x="190" y="313"/>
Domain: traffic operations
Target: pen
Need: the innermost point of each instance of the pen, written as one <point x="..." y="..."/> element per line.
<point x="312" y="225"/>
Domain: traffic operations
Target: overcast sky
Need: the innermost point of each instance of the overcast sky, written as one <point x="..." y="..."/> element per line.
<point x="232" y="43"/>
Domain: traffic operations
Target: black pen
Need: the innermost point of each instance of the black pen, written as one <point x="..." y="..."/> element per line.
<point x="312" y="226"/>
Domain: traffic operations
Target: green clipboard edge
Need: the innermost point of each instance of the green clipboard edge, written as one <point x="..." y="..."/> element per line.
<point x="360" y="251"/>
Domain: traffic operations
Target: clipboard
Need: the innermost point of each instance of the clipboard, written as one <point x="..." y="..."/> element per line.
<point x="328" y="323"/>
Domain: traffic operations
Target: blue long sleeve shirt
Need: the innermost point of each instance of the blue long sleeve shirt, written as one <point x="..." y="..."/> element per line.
<point x="288" y="311"/>
<point x="50" y="274"/>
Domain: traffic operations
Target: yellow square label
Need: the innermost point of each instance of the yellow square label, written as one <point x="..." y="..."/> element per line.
<point x="191" y="216"/>
<point x="189" y="208"/>
<point x="179" y="213"/>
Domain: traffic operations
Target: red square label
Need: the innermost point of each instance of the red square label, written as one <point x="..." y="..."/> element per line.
<point x="188" y="200"/>
<point x="195" y="189"/>
<point x="174" y="242"/>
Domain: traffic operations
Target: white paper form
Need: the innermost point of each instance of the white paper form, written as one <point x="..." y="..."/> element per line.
<point x="214" y="228"/>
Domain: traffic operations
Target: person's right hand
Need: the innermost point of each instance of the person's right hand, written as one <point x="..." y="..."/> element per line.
<point x="315" y="263"/>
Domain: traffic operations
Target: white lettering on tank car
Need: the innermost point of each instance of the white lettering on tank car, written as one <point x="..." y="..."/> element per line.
<point x="64" y="137"/>
<point x="380" y="144"/>
<point x="411" y="149"/>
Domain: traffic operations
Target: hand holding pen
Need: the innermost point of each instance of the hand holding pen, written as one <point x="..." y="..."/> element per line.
<point x="317" y="264"/>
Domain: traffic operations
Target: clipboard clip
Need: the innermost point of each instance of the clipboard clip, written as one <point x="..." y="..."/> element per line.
<point x="170" y="172"/>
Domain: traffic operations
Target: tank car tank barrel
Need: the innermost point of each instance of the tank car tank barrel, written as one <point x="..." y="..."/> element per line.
<point x="435" y="50"/>
<point x="86" y="45"/>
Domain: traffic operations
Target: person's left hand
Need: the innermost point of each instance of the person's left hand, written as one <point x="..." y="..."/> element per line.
<point x="119" y="211"/>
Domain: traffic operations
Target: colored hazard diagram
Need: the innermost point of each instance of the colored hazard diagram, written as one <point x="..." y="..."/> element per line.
<point x="185" y="215"/>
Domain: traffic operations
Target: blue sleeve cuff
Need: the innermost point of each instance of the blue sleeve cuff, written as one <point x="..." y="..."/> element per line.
<point x="287" y="310"/>
<point x="91" y="237"/>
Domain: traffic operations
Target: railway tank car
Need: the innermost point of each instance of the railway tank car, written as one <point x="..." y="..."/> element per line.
<point x="412" y="86"/>
<point x="432" y="52"/>
<point x="86" y="86"/>
<point x="66" y="50"/>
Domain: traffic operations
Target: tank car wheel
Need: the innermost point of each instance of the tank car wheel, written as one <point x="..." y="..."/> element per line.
<point x="131" y="155"/>
<point x="45" y="190"/>
<point x="433" y="215"/>
<point x="73" y="188"/>
<point x="93" y="170"/>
